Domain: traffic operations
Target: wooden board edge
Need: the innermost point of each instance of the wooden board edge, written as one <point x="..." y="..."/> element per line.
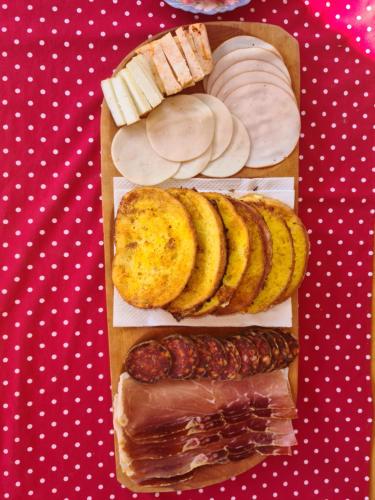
<point x="108" y="223"/>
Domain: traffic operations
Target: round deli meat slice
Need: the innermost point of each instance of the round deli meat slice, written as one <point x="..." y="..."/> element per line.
<point x="242" y="42"/>
<point x="246" y="66"/>
<point x="223" y="124"/>
<point x="191" y="168"/>
<point x="271" y="118"/>
<point x="263" y="348"/>
<point x="148" y="362"/>
<point x="136" y="160"/>
<point x="181" y="128"/>
<point x="211" y="355"/>
<point x="248" y="353"/>
<point x="245" y="55"/>
<point x="184" y="356"/>
<point x="233" y="367"/>
<point x="234" y="157"/>
<point x="242" y="79"/>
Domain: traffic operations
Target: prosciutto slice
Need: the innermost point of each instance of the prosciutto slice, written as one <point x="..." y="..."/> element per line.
<point x="183" y="403"/>
<point x="168" y="429"/>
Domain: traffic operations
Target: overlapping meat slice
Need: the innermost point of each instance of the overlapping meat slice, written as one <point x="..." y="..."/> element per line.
<point x="182" y="403"/>
<point x="200" y="423"/>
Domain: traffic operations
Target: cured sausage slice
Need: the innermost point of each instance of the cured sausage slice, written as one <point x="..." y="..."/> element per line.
<point x="211" y="355"/>
<point x="248" y="353"/>
<point x="148" y="362"/>
<point x="292" y="343"/>
<point x="232" y="370"/>
<point x="275" y="351"/>
<point x="184" y="356"/>
<point x="284" y="349"/>
<point x="263" y="348"/>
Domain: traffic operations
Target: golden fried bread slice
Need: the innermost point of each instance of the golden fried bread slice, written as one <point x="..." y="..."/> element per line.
<point x="282" y="265"/>
<point x="300" y="242"/>
<point x="259" y="260"/>
<point x="238" y="248"/>
<point x="156" y="247"/>
<point x="211" y="257"/>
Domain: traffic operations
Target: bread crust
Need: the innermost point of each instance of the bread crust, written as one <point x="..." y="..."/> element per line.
<point x="259" y="260"/>
<point x="283" y="256"/>
<point x="238" y="249"/>
<point x="301" y="244"/>
<point x="211" y="256"/>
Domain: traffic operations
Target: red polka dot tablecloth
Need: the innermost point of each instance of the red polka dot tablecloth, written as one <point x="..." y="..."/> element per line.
<point x="56" y="438"/>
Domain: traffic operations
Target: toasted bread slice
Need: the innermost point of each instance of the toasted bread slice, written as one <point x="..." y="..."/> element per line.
<point x="155" y="248"/>
<point x="211" y="255"/>
<point x="186" y="48"/>
<point x="259" y="262"/>
<point x="300" y="242"/>
<point x="283" y="258"/>
<point x="238" y="248"/>
<point x="176" y="60"/>
<point x="199" y="36"/>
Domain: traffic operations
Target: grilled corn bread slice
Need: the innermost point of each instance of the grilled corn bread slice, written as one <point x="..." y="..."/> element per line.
<point x="155" y="248"/>
<point x="282" y="266"/>
<point x="259" y="260"/>
<point x="238" y="248"/>
<point x="300" y="242"/>
<point x="211" y="256"/>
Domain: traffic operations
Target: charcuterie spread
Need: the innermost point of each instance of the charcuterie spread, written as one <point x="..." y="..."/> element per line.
<point x="194" y="406"/>
<point x="204" y="419"/>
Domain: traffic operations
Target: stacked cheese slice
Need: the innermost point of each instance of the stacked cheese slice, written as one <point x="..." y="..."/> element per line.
<point x="162" y="67"/>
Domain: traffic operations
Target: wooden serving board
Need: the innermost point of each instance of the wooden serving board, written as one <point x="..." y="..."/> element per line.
<point x="121" y="339"/>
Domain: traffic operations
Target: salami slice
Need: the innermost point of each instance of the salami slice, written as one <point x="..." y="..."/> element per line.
<point x="283" y="348"/>
<point x="248" y="353"/>
<point x="184" y="356"/>
<point x="292" y="343"/>
<point x="211" y="356"/>
<point x="233" y="367"/>
<point x="263" y="348"/>
<point x="275" y="351"/>
<point x="148" y="362"/>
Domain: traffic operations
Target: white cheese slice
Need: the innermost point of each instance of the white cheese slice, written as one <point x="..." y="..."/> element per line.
<point x="176" y="60"/>
<point x="148" y="65"/>
<point x="148" y="87"/>
<point x="190" y="56"/>
<point x="142" y="104"/>
<point x="112" y="104"/>
<point x="124" y="100"/>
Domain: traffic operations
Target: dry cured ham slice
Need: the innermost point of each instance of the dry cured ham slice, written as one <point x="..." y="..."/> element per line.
<point x="219" y="451"/>
<point x="276" y="433"/>
<point x="181" y="401"/>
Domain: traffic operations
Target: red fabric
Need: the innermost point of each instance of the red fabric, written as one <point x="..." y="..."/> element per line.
<point x="56" y="438"/>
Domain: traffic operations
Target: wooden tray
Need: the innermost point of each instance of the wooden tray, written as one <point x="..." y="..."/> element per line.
<point x="121" y="339"/>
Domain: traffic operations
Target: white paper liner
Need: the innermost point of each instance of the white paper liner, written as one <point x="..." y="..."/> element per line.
<point x="281" y="188"/>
